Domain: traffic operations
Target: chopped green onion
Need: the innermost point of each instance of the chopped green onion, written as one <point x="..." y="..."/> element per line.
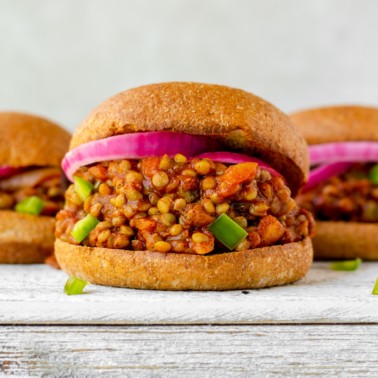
<point x="375" y="288"/>
<point x="82" y="187"/>
<point x="227" y="231"/>
<point x="373" y="174"/>
<point x="74" y="286"/>
<point x="31" y="205"/>
<point x="83" y="227"/>
<point x="96" y="185"/>
<point x="346" y="265"/>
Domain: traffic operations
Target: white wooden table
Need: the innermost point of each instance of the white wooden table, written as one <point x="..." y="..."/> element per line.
<point x="324" y="325"/>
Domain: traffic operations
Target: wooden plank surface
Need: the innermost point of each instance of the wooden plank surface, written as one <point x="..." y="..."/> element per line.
<point x="190" y="351"/>
<point x="33" y="295"/>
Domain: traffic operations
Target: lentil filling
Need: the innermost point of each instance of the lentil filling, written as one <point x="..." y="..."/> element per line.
<point x="350" y="197"/>
<point x="46" y="183"/>
<point x="166" y="204"/>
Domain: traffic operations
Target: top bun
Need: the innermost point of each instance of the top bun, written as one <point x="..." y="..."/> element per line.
<point x="240" y="120"/>
<point x="338" y="124"/>
<point x="27" y="140"/>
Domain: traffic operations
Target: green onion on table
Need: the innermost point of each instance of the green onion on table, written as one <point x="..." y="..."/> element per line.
<point x="74" y="286"/>
<point x="346" y="265"/>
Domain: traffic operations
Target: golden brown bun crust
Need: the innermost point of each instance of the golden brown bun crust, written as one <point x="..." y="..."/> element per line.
<point x="338" y="124"/>
<point x="346" y="240"/>
<point x="25" y="239"/>
<point x="257" y="268"/>
<point x="239" y="119"/>
<point x="29" y="140"/>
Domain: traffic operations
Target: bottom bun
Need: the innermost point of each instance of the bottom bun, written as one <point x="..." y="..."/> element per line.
<point x="25" y="239"/>
<point x="250" y="269"/>
<point x="346" y="240"/>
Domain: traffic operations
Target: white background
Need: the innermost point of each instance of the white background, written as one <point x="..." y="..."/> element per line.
<point x="62" y="58"/>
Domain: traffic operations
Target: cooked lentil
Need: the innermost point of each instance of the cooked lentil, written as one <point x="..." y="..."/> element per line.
<point x="349" y="197"/>
<point x="166" y="205"/>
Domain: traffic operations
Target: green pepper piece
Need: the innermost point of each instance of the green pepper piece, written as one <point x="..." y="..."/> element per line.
<point x="31" y="205"/>
<point x="83" y="227"/>
<point x="82" y="187"/>
<point x="373" y="174"/>
<point x="227" y="231"/>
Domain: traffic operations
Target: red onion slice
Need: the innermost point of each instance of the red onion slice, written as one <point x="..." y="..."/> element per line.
<point x="235" y="158"/>
<point x="344" y="152"/>
<point x="29" y="179"/>
<point x="136" y="146"/>
<point x="325" y="172"/>
<point x="6" y="171"/>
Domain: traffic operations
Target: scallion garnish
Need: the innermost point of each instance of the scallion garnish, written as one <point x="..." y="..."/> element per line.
<point x="31" y="205"/>
<point x="346" y="265"/>
<point x="227" y="231"/>
<point x="82" y="187"/>
<point x="373" y="174"/>
<point x="375" y="288"/>
<point x="83" y="227"/>
<point x="74" y="286"/>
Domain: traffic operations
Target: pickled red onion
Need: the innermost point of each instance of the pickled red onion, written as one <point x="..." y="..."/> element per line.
<point x="324" y="172"/>
<point x="136" y="146"/>
<point x="235" y="158"/>
<point x="344" y="152"/>
<point x="29" y="179"/>
<point x="6" y="171"/>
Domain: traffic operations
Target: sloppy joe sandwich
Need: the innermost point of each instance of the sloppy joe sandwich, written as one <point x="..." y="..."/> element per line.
<point x="31" y="186"/>
<point x="342" y="191"/>
<point x="185" y="186"/>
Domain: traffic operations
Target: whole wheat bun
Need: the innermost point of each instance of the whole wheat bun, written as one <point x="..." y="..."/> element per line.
<point x="346" y="240"/>
<point x="341" y="240"/>
<point x="337" y="124"/>
<point x="27" y="140"/>
<point x="240" y="120"/>
<point x="250" y="269"/>
<point x="25" y="239"/>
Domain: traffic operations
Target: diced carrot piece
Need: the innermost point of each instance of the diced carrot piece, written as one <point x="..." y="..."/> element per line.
<point x="239" y="173"/>
<point x="230" y="180"/>
<point x="149" y="166"/>
<point x="197" y="216"/>
<point x="270" y="229"/>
